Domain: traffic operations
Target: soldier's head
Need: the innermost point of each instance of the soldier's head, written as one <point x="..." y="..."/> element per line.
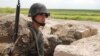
<point x="38" y="12"/>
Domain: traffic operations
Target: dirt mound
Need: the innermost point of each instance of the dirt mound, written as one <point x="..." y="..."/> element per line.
<point x="55" y="32"/>
<point x="7" y="27"/>
<point x="65" y="33"/>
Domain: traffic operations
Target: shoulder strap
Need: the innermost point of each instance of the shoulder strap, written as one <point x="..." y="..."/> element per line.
<point x="36" y="40"/>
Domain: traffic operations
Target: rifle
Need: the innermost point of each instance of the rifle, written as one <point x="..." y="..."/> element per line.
<point x="16" y="27"/>
<point x="8" y="51"/>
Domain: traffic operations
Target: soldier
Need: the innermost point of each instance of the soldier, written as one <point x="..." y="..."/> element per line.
<point x="33" y="45"/>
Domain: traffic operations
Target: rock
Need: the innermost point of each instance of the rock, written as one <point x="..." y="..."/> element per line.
<point x="83" y="47"/>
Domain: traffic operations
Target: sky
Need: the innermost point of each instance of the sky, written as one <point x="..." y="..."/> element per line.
<point x="55" y="4"/>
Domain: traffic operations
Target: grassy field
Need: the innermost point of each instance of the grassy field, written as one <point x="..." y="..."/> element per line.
<point x="93" y="15"/>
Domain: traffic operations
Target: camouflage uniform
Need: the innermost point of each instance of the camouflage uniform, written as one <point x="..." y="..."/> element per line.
<point x="26" y="46"/>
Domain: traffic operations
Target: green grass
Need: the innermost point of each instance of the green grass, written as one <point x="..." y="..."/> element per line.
<point x="93" y="15"/>
<point x="7" y="10"/>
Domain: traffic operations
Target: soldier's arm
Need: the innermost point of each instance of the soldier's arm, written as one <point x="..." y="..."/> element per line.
<point x="22" y="47"/>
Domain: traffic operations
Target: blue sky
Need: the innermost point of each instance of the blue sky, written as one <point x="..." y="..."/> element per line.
<point x="55" y="4"/>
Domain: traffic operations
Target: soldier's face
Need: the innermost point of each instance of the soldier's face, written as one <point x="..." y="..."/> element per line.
<point x="40" y="18"/>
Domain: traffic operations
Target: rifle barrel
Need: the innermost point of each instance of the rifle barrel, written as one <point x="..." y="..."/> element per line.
<point x="16" y="21"/>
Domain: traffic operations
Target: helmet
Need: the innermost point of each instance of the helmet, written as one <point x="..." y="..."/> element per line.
<point x="38" y="8"/>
